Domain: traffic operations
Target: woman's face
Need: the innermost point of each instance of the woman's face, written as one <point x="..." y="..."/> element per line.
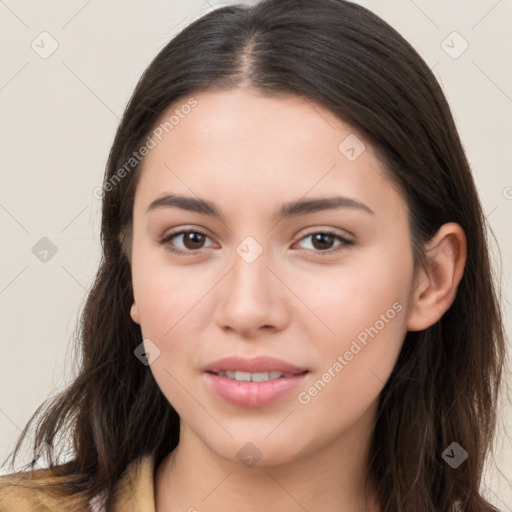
<point x="253" y="283"/>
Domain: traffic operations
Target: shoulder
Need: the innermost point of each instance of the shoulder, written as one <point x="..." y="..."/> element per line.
<point x="30" y="491"/>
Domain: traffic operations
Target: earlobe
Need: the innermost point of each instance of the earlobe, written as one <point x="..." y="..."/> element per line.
<point x="134" y="313"/>
<point x="436" y="288"/>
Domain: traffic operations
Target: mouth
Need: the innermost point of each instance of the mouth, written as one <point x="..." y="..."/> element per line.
<point x="252" y="389"/>
<point x="251" y="383"/>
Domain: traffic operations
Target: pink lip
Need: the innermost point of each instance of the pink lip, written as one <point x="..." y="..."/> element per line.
<point x="252" y="394"/>
<point x="254" y="365"/>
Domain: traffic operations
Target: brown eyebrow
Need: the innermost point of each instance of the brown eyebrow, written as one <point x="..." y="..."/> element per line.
<point x="291" y="209"/>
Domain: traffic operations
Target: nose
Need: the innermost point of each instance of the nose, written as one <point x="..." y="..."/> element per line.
<point x="253" y="299"/>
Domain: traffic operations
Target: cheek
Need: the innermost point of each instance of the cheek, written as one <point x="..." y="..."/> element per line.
<point x="363" y="325"/>
<point x="356" y="363"/>
<point x="161" y="303"/>
<point x="171" y="318"/>
<point x="360" y="294"/>
<point x="166" y="295"/>
<point x="170" y="311"/>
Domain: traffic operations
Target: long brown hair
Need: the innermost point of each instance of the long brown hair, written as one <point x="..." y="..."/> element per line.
<point x="445" y="384"/>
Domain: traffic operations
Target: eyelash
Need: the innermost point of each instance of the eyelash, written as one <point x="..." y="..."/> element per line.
<point x="345" y="243"/>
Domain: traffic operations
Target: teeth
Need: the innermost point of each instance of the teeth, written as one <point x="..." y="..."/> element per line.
<point x="253" y="377"/>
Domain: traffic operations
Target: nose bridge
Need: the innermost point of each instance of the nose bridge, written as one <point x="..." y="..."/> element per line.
<point x="250" y="298"/>
<point x="250" y="272"/>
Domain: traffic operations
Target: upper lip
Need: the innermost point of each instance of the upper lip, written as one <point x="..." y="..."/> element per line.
<point x="259" y="364"/>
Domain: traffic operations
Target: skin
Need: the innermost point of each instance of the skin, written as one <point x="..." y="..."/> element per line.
<point x="249" y="154"/>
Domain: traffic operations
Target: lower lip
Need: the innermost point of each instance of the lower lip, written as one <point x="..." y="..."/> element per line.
<point x="252" y="394"/>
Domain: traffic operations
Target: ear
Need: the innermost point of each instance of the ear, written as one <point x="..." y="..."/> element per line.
<point x="134" y="313"/>
<point x="436" y="288"/>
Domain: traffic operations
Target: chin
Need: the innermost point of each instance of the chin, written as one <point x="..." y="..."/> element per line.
<point x="258" y="451"/>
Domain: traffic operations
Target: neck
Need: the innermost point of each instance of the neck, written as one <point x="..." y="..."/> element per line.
<point x="193" y="477"/>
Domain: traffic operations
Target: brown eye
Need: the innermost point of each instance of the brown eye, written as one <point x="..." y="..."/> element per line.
<point x="322" y="242"/>
<point x="191" y="241"/>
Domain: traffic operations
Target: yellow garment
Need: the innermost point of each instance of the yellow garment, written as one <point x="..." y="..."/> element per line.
<point x="134" y="491"/>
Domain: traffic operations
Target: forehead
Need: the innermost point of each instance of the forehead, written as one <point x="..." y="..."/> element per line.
<point x="238" y="144"/>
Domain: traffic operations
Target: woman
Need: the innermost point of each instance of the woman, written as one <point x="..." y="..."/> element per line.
<point x="295" y="308"/>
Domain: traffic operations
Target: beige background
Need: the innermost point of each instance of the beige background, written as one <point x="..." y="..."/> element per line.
<point x="59" y="117"/>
